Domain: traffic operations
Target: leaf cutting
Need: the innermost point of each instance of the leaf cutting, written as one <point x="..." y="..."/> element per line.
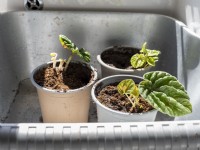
<point x="68" y="44"/>
<point x="161" y="90"/>
<point x="145" y="58"/>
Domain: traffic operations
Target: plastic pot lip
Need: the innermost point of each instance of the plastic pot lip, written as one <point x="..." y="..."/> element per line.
<point x="118" y="69"/>
<point x="68" y="91"/>
<point x="109" y="109"/>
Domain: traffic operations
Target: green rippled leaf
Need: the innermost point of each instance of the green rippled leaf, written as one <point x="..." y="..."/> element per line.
<point x="165" y="93"/>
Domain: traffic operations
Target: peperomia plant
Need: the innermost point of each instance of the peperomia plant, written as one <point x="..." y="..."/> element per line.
<point x="130" y="90"/>
<point x="67" y="44"/>
<point x="161" y="90"/>
<point x="145" y="58"/>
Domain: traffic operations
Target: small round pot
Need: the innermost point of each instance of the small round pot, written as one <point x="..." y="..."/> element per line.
<point x="106" y="114"/>
<point x="107" y="70"/>
<point x="64" y="107"/>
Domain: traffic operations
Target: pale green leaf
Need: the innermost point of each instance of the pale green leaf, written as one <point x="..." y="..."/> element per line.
<point x="66" y="43"/>
<point x="135" y="92"/>
<point x="144" y="50"/>
<point x="145" y="58"/>
<point x="128" y="86"/>
<point x="138" y="61"/>
<point x="152" y="53"/>
<point x="151" y="61"/>
<point x="125" y="86"/>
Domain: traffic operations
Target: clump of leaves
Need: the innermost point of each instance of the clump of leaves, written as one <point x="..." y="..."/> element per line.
<point x="130" y="90"/>
<point x="161" y="90"/>
<point x="68" y="44"/>
<point x="145" y="58"/>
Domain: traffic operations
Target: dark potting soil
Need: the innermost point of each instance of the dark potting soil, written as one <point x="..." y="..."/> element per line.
<point x="76" y="76"/>
<point x="110" y="98"/>
<point x="119" y="57"/>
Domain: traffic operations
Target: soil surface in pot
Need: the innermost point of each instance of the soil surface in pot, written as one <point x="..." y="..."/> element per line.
<point x="110" y="98"/>
<point x="76" y="76"/>
<point x="119" y="57"/>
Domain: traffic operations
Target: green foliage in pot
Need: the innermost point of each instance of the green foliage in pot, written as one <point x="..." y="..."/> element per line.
<point x="145" y="58"/>
<point x="161" y="90"/>
<point x="68" y="44"/>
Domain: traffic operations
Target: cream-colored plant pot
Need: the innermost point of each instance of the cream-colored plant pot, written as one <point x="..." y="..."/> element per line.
<point x="64" y="107"/>
<point x="107" y="70"/>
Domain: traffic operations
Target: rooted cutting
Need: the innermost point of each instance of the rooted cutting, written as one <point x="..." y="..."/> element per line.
<point x="111" y="98"/>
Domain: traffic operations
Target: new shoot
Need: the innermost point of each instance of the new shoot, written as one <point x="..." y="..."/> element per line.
<point x="74" y="50"/>
<point x="161" y="90"/>
<point x="130" y="90"/>
<point x="145" y="58"/>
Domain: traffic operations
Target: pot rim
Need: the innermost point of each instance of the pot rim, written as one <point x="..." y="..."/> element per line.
<point x="68" y="91"/>
<point x="109" y="109"/>
<point x="118" y="69"/>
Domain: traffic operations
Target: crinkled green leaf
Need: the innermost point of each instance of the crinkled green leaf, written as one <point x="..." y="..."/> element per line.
<point x="128" y="86"/>
<point x="85" y="55"/>
<point x="66" y="43"/>
<point x="152" y="56"/>
<point x="152" y="53"/>
<point x="146" y="57"/>
<point x="144" y="50"/>
<point x="151" y="61"/>
<point x="138" y="61"/>
<point x="165" y="93"/>
<point x="135" y="92"/>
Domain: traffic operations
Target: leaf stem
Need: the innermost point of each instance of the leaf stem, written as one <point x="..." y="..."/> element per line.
<point x="68" y="61"/>
<point x="60" y="67"/>
<point x="133" y="103"/>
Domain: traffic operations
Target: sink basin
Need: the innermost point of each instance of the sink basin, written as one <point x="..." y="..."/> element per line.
<point x="27" y="38"/>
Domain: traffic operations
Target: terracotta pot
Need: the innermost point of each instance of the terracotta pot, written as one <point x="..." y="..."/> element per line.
<point x="62" y="107"/>
<point x="106" y="114"/>
<point x="107" y="70"/>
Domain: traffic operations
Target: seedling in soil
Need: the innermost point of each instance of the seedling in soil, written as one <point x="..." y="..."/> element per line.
<point x="145" y="58"/>
<point x="161" y="90"/>
<point x="130" y="90"/>
<point x="68" y="44"/>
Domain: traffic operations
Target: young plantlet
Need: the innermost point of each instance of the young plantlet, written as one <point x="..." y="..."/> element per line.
<point x="130" y="90"/>
<point x="67" y="44"/>
<point x="161" y="90"/>
<point x="145" y="58"/>
<point x="53" y="59"/>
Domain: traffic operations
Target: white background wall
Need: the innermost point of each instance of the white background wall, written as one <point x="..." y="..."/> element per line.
<point x="188" y="11"/>
<point x="3" y="5"/>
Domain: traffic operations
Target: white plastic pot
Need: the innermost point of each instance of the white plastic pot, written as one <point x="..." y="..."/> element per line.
<point x="64" y="107"/>
<point x="107" y="70"/>
<point x="106" y="114"/>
